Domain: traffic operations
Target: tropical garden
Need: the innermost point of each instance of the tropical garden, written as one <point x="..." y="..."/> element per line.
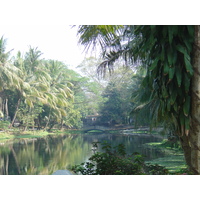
<point x="170" y="87"/>
<point x="145" y="76"/>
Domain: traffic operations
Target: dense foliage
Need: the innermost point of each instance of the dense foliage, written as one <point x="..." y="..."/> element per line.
<point x="169" y="72"/>
<point x="42" y="94"/>
<point x="164" y="52"/>
<point x="169" y="91"/>
<point x="115" y="161"/>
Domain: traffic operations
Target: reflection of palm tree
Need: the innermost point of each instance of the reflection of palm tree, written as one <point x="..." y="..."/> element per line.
<point x="15" y="157"/>
<point x="7" y="162"/>
<point x="30" y="156"/>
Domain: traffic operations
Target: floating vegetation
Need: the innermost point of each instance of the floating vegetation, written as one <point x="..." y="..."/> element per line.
<point x="174" y="159"/>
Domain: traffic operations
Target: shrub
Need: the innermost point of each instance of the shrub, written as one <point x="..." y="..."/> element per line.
<point x="115" y="161"/>
<point x="4" y="125"/>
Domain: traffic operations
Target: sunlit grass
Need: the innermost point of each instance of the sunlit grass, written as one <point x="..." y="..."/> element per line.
<point x="174" y="159"/>
<point x="95" y="131"/>
<point x="172" y="163"/>
<point x="154" y="143"/>
<point x="16" y="133"/>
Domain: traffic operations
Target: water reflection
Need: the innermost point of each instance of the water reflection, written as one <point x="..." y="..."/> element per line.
<point x="51" y="153"/>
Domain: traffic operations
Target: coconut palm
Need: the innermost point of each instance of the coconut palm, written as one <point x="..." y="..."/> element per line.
<point x="33" y="83"/>
<point x="59" y="93"/>
<point x="9" y="75"/>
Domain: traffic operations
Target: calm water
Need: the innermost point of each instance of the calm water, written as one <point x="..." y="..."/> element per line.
<point x="51" y="153"/>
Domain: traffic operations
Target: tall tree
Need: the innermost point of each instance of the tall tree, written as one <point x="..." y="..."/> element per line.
<point x="171" y="58"/>
<point x="194" y="134"/>
<point x="34" y="78"/>
<point x="9" y="75"/>
<point x="59" y="94"/>
<point x="116" y="106"/>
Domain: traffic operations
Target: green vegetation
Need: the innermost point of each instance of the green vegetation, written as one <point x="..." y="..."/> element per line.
<point x="174" y="162"/>
<point x="14" y="134"/>
<point x="39" y="94"/>
<point x="169" y="87"/>
<point x="115" y="161"/>
<point x="43" y="94"/>
<point x="155" y="83"/>
<point x="19" y="134"/>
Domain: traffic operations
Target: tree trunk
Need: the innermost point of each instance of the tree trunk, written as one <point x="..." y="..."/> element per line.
<point x="7" y="162"/>
<point x="194" y="135"/>
<point x="185" y="144"/>
<point x="1" y="105"/>
<point x="15" y="157"/>
<point x="61" y="125"/>
<point x="17" y="108"/>
<point x="6" y="109"/>
<point x="46" y="126"/>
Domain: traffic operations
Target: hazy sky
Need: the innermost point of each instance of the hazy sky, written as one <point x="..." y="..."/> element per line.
<point x="58" y="42"/>
<point x="42" y="24"/>
<point x="45" y="24"/>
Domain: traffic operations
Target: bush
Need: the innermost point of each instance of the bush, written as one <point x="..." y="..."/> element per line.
<point x="4" y="125"/>
<point x="115" y="161"/>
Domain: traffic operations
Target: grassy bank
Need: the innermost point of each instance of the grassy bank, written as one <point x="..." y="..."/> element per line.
<point x="174" y="159"/>
<point x="16" y="133"/>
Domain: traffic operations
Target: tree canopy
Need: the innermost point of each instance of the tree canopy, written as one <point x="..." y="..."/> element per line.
<point x="39" y="93"/>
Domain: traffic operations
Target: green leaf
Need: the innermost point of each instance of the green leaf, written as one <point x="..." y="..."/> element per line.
<point x="162" y="53"/>
<point x="180" y="93"/>
<point x="154" y="64"/>
<point x="174" y="56"/>
<point x="175" y="30"/>
<point x="188" y="65"/>
<point x="175" y="106"/>
<point x="182" y="119"/>
<point x="186" y="106"/>
<point x="190" y="30"/>
<point x="173" y="97"/>
<point x="178" y="76"/>
<point x="168" y="105"/>
<point x="162" y="107"/>
<point x="170" y="57"/>
<point x="170" y="33"/>
<point x="181" y="49"/>
<point x="29" y="103"/>
<point x="171" y="72"/>
<point x="186" y="82"/>
<point x="188" y="44"/>
<point x="187" y="123"/>
<point x="164" y="92"/>
<point x="166" y="68"/>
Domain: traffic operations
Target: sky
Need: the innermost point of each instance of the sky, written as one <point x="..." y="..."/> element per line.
<point x="46" y="24"/>
<point x="42" y="24"/>
<point x="58" y="42"/>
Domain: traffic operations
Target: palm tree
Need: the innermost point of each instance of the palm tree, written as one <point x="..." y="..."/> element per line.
<point x="34" y="83"/>
<point x="59" y="93"/>
<point x="9" y="74"/>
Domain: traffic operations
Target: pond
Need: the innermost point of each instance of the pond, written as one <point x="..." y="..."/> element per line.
<point x="43" y="156"/>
